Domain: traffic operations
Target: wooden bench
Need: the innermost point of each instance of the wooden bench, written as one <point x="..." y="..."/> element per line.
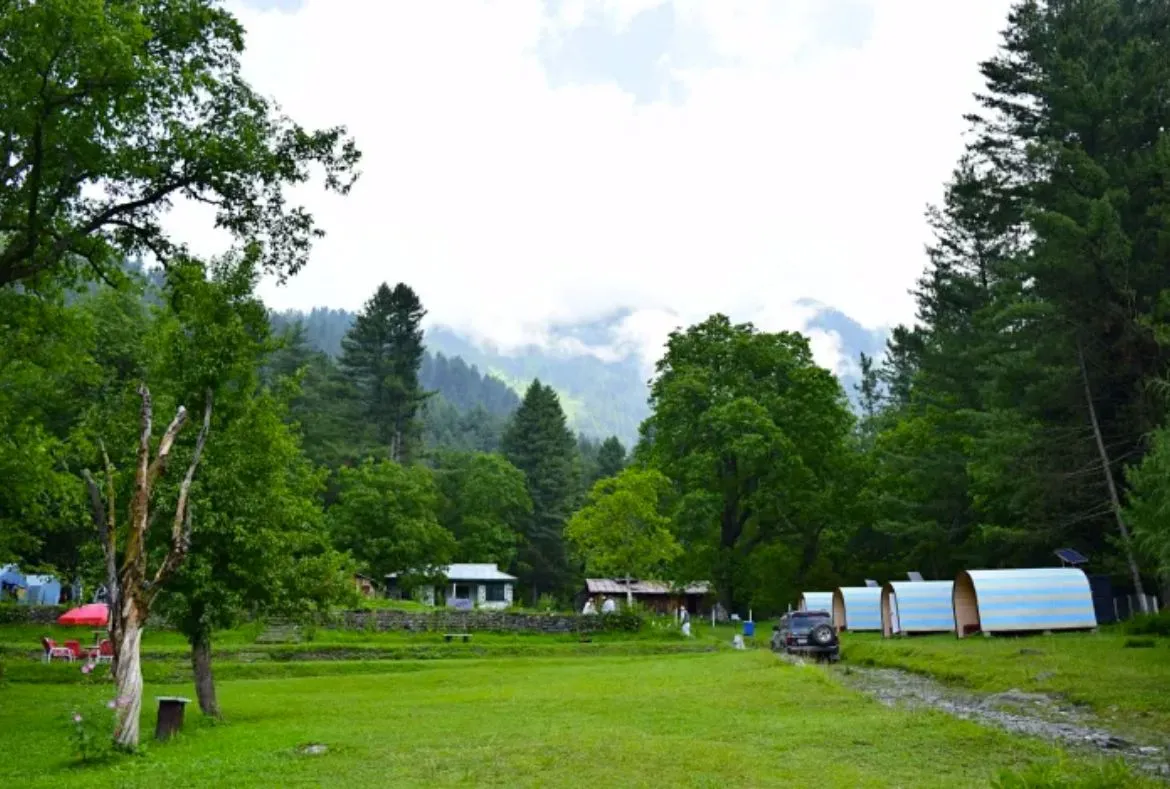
<point x="465" y="636"/>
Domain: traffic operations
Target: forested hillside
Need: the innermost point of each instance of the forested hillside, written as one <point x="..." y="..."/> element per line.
<point x="600" y="397"/>
<point x="465" y="408"/>
<point x="1024" y="410"/>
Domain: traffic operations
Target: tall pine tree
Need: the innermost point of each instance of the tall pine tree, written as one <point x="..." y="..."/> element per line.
<point x="539" y="443"/>
<point x="611" y="458"/>
<point x="381" y="355"/>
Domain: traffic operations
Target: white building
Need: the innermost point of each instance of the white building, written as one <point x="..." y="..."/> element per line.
<point x="468" y="586"/>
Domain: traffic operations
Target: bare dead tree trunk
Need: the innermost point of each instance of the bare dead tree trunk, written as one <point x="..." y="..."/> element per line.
<point x="128" y="675"/>
<point x="130" y="606"/>
<point x="204" y="680"/>
<point x="1107" y="469"/>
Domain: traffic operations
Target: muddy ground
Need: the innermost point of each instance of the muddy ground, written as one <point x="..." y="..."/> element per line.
<point x="1030" y="714"/>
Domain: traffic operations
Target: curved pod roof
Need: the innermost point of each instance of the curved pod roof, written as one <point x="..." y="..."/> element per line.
<point x="917" y="607"/>
<point x="1007" y="601"/>
<point x="857" y="608"/>
<point x="815" y="601"/>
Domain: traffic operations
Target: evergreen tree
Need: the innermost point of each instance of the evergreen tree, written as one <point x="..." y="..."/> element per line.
<point x="611" y="458"/>
<point x="381" y="355"/>
<point x="539" y="443"/>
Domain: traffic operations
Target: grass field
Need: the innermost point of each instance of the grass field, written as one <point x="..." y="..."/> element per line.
<point x="1125" y="680"/>
<point x="644" y="709"/>
<point x="739" y="718"/>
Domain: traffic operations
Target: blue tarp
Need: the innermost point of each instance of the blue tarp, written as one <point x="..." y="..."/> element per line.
<point x="39" y="589"/>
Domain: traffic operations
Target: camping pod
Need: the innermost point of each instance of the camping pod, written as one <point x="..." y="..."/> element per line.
<point x="857" y="608"/>
<point x="917" y="607"/>
<point x="815" y="601"/>
<point x="1015" y="601"/>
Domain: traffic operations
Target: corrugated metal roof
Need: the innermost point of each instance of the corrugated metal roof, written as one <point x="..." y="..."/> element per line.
<point x="861" y="608"/>
<point x="618" y="586"/>
<point x="471" y="572"/>
<point x="917" y="607"/>
<point x="1045" y="598"/>
<point x="815" y="601"/>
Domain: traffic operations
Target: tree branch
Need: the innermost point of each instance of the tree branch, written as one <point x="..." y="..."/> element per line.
<point x="181" y="530"/>
<point x="166" y="444"/>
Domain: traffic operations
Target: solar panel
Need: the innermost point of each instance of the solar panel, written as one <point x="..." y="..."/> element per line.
<point x="1069" y="556"/>
<point x="870" y="583"/>
<point x="914" y="575"/>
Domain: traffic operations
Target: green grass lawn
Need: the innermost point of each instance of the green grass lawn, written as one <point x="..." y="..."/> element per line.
<point x="165" y="653"/>
<point x="1129" y="685"/>
<point x="720" y="719"/>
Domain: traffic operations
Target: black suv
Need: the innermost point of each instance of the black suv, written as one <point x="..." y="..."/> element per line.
<point x="807" y="633"/>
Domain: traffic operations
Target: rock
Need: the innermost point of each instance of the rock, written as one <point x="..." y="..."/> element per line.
<point x="1044" y="676"/>
<point x="313" y="749"/>
<point x="1112" y="742"/>
<point x="1149" y="749"/>
<point x="1017" y="696"/>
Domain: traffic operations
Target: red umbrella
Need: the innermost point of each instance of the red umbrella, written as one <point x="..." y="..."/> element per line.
<point x="94" y="614"/>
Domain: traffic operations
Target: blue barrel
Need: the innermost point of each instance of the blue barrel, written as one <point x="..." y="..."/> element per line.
<point x="749" y="628"/>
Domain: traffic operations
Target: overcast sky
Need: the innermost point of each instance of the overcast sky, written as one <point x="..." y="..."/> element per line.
<point x="538" y="161"/>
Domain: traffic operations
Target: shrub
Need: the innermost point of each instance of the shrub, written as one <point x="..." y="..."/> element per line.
<point x="20" y="614"/>
<point x="547" y="604"/>
<point x="626" y="620"/>
<point x="1139" y="643"/>
<point x="1150" y="624"/>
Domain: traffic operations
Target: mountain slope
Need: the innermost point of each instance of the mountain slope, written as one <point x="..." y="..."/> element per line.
<point x="601" y="397"/>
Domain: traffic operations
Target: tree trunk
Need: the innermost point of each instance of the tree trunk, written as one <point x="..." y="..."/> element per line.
<point x="128" y="676"/>
<point x="629" y="593"/>
<point x="1114" y="499"/>
<point x="204" y="681"/>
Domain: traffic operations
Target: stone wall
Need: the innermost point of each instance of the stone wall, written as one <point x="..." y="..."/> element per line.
<point x="451" y="621"/>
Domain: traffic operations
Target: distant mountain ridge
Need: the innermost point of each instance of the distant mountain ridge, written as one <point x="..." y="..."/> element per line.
<point x="601" y="397"/>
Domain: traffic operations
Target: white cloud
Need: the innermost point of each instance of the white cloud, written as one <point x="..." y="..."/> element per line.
<point x="789" y="171"/>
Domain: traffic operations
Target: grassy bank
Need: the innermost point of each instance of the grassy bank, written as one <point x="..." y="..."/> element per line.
<point x="1124" y="679"/>
<point x="722" y="719"/>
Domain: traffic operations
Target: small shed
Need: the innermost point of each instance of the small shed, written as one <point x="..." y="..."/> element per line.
<point x="857" y="608"/>
<point x="658" y="596"/>
<point x="1015" y="601"/>
<point x="365" y="585"/>
<point x="917" y="607"/>
<point x="815" y="601"/>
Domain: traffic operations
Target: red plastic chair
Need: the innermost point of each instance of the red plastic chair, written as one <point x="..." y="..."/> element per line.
<point x="52" y="650"/>
<point x="104" y="653"/>
<point x="75" y="648"/>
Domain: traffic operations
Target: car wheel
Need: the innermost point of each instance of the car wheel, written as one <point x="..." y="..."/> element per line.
<point x="822" y="636"/>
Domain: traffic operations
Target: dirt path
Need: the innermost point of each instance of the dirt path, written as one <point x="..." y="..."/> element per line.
<point x="1030" y="714"/>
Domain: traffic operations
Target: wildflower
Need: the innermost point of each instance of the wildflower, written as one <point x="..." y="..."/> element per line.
<point x="88" y="667"/>
<point x="112" y="704"/>
<point x="77" y="717"/>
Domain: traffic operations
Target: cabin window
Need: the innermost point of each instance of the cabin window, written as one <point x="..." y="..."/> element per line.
<point x="495" y="593"/>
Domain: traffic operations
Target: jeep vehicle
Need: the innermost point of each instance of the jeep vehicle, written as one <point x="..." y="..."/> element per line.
<point x="807" y="633"/>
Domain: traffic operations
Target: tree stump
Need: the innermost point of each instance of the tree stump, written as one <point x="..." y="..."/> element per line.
<point x="170" y="716"/>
